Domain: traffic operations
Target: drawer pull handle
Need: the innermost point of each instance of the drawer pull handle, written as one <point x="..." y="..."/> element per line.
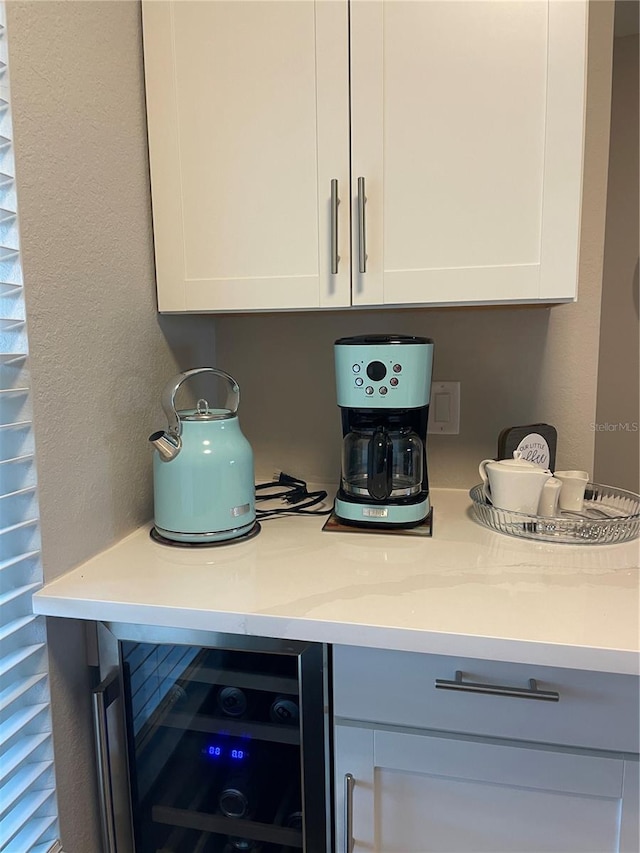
<point x="349" y="782"/>
<point x="530" y="692"/>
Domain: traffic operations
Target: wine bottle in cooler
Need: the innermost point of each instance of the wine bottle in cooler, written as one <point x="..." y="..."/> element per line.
<point x="237" y="796"/>
<point x="233" y="702"/>
<point x="284" y="710"/>
<point x="242" y="845"/>
<point x="294" y="821"/>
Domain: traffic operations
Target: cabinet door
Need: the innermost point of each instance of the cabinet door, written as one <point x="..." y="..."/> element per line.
<point x="424" y="793"/>
<point x="248" y="122"/>
<point x="467" y="125"/>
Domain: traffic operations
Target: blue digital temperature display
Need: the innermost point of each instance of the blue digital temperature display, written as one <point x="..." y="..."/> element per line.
<point x="216" y="750"/>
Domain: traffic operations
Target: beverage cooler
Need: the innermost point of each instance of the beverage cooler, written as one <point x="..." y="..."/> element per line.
<point x="212" y="743"/>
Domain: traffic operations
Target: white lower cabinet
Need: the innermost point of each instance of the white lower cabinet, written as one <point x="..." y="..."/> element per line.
<point x="400" y="789"/>
<point x="417" y="793"/>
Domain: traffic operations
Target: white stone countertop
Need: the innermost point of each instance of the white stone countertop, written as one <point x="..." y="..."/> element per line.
<point x="467" y="591"/>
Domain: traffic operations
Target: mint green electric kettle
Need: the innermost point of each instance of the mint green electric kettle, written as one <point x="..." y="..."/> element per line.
<point x="203" y="475"/>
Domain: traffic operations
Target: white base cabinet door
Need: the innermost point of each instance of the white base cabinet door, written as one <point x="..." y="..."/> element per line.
<point x="425" y="793"/>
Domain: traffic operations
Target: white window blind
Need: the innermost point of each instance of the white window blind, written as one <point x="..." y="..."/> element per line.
<point x="28" y="810"/>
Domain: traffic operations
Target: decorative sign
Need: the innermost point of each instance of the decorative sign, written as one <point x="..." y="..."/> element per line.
<point x="536" y="442"/>
<point x="534" y="448"/>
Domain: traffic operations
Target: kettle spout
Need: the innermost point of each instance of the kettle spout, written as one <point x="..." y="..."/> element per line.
<point x="167" y="445"/>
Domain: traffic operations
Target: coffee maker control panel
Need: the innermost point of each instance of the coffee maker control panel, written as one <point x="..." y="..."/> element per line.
<point x="384" y="375"/>
<point x="377" y="370"/>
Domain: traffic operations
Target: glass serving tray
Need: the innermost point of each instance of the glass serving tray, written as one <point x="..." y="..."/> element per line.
<point x="609" y="516"/>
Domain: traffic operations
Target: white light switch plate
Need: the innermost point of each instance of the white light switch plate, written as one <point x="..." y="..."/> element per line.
<point x="444" y="408"/>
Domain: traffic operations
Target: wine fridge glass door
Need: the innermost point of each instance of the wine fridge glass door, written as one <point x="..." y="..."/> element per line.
<point x="218" y="759"/>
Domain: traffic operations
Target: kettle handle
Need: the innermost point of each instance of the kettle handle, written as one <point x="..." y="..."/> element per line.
<point x="171" y="389"/>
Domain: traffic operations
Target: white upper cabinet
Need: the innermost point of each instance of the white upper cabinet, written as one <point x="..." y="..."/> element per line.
<point x="467" y="126"/>
<point x="462" y="122"/>
<point x="248" y="119"/>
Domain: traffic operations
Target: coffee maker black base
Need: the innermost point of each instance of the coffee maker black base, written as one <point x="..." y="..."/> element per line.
<point x="402" y="511"/>
<point x="334" y="524"/>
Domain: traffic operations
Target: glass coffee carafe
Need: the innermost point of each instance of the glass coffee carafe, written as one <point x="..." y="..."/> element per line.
<point x="382" y="463"/>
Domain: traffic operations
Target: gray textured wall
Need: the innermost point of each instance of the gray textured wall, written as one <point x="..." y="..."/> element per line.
<point x="516" y="365"/>
<point x="617" y="447"/>
<point x="99" y="356"/>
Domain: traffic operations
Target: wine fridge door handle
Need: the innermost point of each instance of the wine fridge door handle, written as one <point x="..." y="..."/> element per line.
<point x="530" y="692"/>
<point x="335" y="201"/>
<point x="349" y="782"/>
<point x="103" y="697"/>
<point x="362" y="227"/>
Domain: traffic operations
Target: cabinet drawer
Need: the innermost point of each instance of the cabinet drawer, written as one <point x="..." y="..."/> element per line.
<point x="595" y="710"/>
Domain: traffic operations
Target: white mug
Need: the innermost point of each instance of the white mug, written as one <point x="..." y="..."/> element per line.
<point x="573" y="486"/>
<point x="548" y="505"/>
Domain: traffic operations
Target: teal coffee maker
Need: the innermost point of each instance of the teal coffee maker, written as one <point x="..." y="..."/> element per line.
<point x="383" y="385"/>
<point x="203" y="476"/>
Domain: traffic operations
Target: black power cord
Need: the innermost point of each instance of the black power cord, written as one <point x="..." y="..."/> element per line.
<point x="295" y="493"/>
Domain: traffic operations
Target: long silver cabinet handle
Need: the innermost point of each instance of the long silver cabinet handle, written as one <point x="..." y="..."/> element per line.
<point x="102" y="697"/>
<point x="530" y="692"/>
<point x="362" y="226"/>
<point x="335" y="201"/>
<point x="349" y="782"/>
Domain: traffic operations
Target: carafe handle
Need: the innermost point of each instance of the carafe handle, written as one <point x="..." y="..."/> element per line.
<point x="171" y="389"/>
<point x="380" y="451"/>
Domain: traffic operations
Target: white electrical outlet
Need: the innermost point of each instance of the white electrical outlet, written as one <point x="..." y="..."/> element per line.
<point x="444" y="408"/>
